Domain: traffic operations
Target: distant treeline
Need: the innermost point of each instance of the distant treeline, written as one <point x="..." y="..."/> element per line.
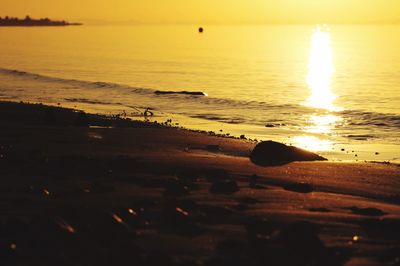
<point x="28" y="21"/>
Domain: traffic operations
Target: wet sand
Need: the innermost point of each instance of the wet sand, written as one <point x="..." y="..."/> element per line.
<point x="81" y="189"/>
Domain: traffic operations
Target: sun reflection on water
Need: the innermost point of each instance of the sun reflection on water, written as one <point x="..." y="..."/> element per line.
<point x="320" y="71"/>
<point x="319" y="79"/>
<point x="313" y="143"/>
<point x="322" y="123"/>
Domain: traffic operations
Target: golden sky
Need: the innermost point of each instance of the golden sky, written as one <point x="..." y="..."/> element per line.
<point x="209" y="11"/>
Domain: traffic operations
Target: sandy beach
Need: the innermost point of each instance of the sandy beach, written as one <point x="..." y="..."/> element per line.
<point x="80" y="189"/>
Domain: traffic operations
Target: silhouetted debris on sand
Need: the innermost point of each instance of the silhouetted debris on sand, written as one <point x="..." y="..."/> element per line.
<point x="270" y="153"/>
<point x="38" y="114"/>
<point x="299" y="187"/>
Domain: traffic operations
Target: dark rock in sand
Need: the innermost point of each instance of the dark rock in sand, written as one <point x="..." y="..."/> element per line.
<point x="299" y="187"/>
<point x="367" y="211"/>
<point x="270" y="153"/>
<point x="224" y="186"/>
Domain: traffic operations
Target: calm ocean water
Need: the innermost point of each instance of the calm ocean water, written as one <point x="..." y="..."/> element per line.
<point x="323" y="89"/>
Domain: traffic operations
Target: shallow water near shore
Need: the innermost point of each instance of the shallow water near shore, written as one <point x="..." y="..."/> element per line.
<point x="331" y="90"/>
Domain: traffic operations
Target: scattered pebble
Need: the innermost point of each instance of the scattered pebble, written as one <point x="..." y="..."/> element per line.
<point x="46" y="192"/>
<point x="185" y="213"/>
<point x="66" y="226"/>
<point x="117" y="218"/>
<point x="131" y="211"/>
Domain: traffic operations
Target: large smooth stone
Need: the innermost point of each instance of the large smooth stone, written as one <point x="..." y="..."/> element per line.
<point x="270" y="153"/>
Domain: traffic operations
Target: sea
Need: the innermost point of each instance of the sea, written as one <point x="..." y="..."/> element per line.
<point x="332" y="89"/>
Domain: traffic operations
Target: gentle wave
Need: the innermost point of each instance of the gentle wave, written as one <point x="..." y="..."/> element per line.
<point x="363" y="118"/>
<point x="176" y="95"/>
<point x="82" y="83"/>
<point x="224" y="110"/>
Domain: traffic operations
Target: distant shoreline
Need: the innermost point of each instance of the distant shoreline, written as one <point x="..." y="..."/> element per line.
<point x="29" y="22"/>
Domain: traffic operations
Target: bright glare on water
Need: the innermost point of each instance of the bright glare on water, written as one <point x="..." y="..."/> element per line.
<point x="320" y="71"/>
<point x="319" y="80"/>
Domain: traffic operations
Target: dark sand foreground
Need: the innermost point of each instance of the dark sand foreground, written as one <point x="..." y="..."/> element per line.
<point x="133" y="193"/>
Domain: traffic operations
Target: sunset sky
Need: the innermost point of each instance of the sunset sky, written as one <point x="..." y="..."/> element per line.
<point x="209" y="11"/>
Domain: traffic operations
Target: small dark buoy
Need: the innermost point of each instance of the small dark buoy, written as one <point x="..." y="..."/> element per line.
<point x="201" y="30"/>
